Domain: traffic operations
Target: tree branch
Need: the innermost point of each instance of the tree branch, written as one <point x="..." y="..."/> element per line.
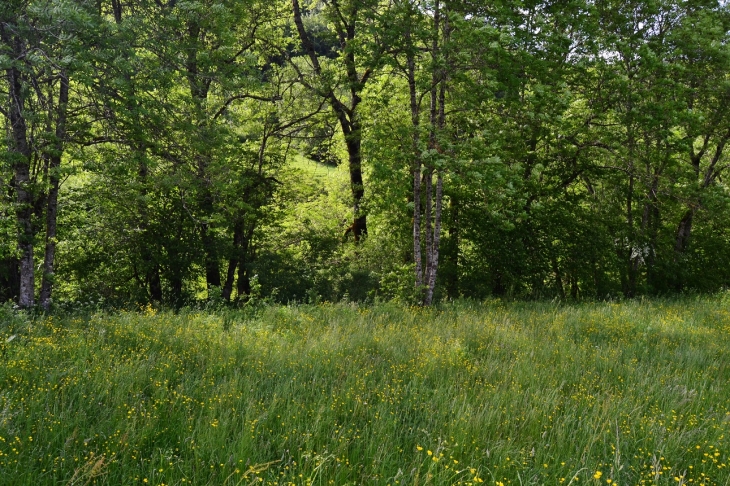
<point x="230" y="100"/>
<point x="304" y="37"/>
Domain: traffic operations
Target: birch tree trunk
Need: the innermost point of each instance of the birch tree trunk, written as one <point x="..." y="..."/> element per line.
<point x="417" y="164"/>
<point x="438" y="124"/>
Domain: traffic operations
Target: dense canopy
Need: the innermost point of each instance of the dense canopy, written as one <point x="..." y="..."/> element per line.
<point x="170" y="151"/>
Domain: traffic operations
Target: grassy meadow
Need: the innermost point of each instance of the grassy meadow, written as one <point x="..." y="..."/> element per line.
<point x="497" y="393"/>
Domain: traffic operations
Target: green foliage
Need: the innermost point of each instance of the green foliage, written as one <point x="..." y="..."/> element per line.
<point x="583" y="153"/>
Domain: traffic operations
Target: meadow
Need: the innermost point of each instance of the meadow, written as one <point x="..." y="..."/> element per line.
<point x="632" y="393"/>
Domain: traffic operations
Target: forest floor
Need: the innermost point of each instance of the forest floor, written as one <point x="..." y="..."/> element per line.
<point x="495" y="393"/>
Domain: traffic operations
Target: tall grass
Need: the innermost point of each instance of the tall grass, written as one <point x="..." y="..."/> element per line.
<point x="628" y="394"/>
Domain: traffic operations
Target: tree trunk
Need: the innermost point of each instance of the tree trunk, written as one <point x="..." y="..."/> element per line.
<point x="20" y="153"/>
<point x="434" y="253"/>
<point x="558" y="279"/>
<point x="155" y="283"/>
<point x="212" y="266"/>
<point x="427" y="185"/>
<point x="354" y="156"/>
<point x="451" y="252"/>
<point x="52" y="203"/>
<point x="653" y="233"/>
<point x="233" y="261"/>
<point x="243" y="286"/>
<point x="199" y="86"/>
<point x="246" y="257"/>
<point x="176" y="286"/>
<point x="425" y="278"/>
<point x="415" y="122"/>
<point x="438" y="124"/>
<point x="227" y="289"/>
<point x="684" y="229"/>
<point x="633" y="269"/>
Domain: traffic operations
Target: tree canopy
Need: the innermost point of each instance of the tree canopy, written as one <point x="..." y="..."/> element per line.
<point x="170" y="151"/>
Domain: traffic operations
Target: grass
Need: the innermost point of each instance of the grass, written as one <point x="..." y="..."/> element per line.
<point x="523" y="394"/>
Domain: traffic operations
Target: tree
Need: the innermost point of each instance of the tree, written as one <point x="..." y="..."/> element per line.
<point x="701" y="61"/>
<point x="42" y="45"/>
<point x="342" y="83"/>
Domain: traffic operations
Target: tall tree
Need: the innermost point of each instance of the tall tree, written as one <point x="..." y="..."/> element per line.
<point x="342" y="82"/>
<point x="700" y="62"/>
<point x="43" y="44"/>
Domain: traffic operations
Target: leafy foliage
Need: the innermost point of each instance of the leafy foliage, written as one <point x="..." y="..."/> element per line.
<point x="154" y="150"/>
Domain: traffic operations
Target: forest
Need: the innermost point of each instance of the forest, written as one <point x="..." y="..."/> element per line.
<point x="168" y="152"/>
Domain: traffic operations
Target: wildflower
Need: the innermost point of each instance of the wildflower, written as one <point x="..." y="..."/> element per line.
<point x="419" y="448"/>
<point x="598" y="475"/>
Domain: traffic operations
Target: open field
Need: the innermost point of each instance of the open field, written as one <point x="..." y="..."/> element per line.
<point x="608" y="393"/>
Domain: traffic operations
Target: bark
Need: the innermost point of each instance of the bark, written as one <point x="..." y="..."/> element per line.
<point x="415" y="122"/>
<point x="434" y="259"/>
<point x="152" y="281"/>
<point x="354" y="155"/>
<point x="155" y="283"/>
<point x="52" y="200"/>
<point x="683" y="231"/>
<point x="230" y="277"/>
<point x="21" y="154"/>
<point x="242" y="236"/>
<point x="176" y="286"/>
<point x="117" y="11"/>
<point x="681" y="243"/>
<point x="243" y="286"/>
<point x="633" y="265"/>
<point x="210" y="247"/>
<point x="425" y="278"/>
<point x="212" y="266"/>
<point x="233" y="261"/>
<point x="452" y="253"/>
<point x="432" y="144"/>
<point x="653" y="230"/>
<point x="427" y="185"/>
<point x="438" y="124"/>
<point x="150" y="267"/>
